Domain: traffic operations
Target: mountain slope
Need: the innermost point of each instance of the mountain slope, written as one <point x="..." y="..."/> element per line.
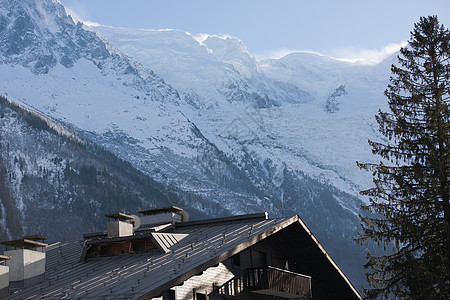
<point x="51" y="179"/>
<point x="222" y="133"/>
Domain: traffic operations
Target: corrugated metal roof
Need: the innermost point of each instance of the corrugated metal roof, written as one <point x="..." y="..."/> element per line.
<point x="132" y="276"/>
<point x="190" y="249"/>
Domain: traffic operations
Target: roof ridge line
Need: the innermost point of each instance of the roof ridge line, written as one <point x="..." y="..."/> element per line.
<point x="261" y="216"/>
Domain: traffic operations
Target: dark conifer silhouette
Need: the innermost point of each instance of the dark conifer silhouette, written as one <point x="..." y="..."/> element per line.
<point x="409" y="212"/>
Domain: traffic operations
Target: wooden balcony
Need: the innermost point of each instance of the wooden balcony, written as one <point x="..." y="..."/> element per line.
<point x="277" y="282"/>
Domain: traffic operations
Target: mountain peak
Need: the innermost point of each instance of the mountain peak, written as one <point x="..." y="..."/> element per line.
<point x="39" y="34"/>
<point x="232" y="50"/>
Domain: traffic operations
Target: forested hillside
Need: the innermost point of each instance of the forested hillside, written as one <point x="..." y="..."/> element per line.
<point x="53" y="182"/>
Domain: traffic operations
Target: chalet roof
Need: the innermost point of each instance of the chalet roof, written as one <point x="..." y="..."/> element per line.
<point x="191" y="248"/>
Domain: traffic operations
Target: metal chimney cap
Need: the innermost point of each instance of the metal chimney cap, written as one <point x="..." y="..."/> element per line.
<point x="24" y="244"/>
<point x="119" y="216"/>
<point x="35" y="237"/>
<point x="159" y="210"/>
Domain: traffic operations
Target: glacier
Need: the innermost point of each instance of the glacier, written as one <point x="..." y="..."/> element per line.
<point x="324" y="145"/>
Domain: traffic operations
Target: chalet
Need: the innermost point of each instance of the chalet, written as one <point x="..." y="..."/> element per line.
<point x="161" y="255"/>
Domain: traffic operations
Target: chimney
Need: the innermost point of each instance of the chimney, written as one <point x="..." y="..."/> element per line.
<point x="163" y="215"/>
<point x="4" y="275"/>
<point x="121" y="225"/>
<point x="27" y="263"/>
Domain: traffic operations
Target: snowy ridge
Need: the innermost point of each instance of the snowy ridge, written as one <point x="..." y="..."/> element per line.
<point x="212" y="73"/>
<point x="52" y="124"/>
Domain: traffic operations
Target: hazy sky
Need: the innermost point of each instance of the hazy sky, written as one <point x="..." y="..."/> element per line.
<point x="339" y="28"/>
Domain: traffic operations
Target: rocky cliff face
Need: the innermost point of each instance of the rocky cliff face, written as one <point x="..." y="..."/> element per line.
<point x="39" y="35"/>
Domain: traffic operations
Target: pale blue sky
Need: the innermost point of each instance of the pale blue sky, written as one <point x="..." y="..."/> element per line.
<point x="340" y="28"/>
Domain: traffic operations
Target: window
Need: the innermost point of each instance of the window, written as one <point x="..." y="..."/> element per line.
<point x="139" y="246"/>
<point x="286" y="266"/>
<point x="199" y="296"/>
<point x="279" y="262"/>
<point x="169" y="295"/>
<point x="106" y="250"/>
<point x="236" y="260"/>
<point x="259" y="259"/>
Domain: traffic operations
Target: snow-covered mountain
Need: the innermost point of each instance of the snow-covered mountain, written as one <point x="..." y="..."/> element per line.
<point x="322" y="110"/>
<point x="208" y="73"/>
<point x="201" y="117"/>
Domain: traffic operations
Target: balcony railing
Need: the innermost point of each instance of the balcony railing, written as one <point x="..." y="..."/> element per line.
<point x="278" y="282"/>
<point x="231" y="288"/>
<point x="268" y="281"/>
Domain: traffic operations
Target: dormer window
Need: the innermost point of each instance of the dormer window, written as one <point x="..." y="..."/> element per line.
<point x="106" y="250"/>
<point x="139" y="246"/>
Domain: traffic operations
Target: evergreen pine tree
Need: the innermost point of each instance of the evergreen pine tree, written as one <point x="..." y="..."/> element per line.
<point x="408" y="213"/>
